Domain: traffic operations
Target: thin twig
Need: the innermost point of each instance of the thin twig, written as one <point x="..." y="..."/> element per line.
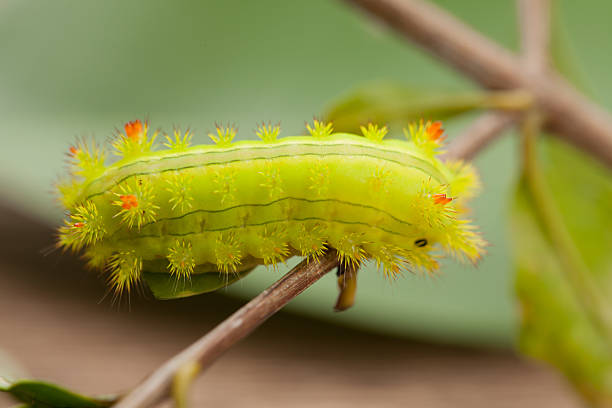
<point x="479" y="134"/>
<point x="568" y="113"/>
<point x="534" y="21"/>
<point x="231" y="330"/>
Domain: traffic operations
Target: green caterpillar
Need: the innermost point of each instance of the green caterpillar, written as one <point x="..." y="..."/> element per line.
<point x="228" y="207"/>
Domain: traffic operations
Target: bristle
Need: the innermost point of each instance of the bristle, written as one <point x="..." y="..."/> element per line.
<point x="179" y="142"/>
<point x="228" y="252"/>
<point x="272" y="180"/>
<point x="350" y="249"/>
<point x="419" y="261"/>
<point x="135" y="200"/>
<point x="124" y="271"/>
<point x="320" y="128"/>
<point x="68" y="190"/>
<point x="463" y="241"/>
<point x="85" y="227"/>
<point x="135" y="141"/>
<point x="180" y="259"/>
<point x="268" y="133"/>
<point x="388" y="260"/>
<point x="273" y="247"/>
<point x="311" y="240"/>
<point x="432" y="205"/>
<point x="225" y="184"/>
<point x="180" y="187"/>
<point x="86" y="159"/>
<point x="374" y="133"/>
<point x="426" y="135"/>
<point x="465" y="181"/>
<point x="380" y="180"/>
<point x="318" y="177"/>
<point x="224" y="136"/>
<point x="244" y="206"/>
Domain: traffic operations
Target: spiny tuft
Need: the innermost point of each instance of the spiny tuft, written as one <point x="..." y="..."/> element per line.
<point x="85" y="227"/>
<point x="86" y="159"/>
<point x="463" y="241"/>
<point x="320" y="128"/>
<point x="419" y="261"/>
<point x="180" y="259"/>
<point x="380" y="180"/>
<point x="350" y="249"/>
<point x="319" y="177"/>
<point x="225" y="184"/>
<point x="388" y="260"/>
<point x="135" y="141"/>
<point x="125" y="269"/>
<point x="273" y="247"/>
<point x="311" y="240"/>
<point x="465" y="181"/>
<point x="224" y="136"/>
<point x="179" y="141"/>
<point x="426" y="135"/>
<point x="272" y="181"/>
<point x="180" y="187"/>
<point x="432" y="205"/>
<point x="374" y="133"/>
<point x="268" y="133"/>
<point x="136" y="202"/>
<point x="228" y="252"/>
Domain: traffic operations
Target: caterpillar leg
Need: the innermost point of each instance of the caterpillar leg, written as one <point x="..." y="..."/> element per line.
<point x="347" y="283"/>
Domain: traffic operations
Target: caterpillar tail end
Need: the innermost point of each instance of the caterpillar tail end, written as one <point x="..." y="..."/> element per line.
<point x="347" y="284"/>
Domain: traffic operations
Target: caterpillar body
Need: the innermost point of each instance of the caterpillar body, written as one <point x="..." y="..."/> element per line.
<point x="228" y="207"/>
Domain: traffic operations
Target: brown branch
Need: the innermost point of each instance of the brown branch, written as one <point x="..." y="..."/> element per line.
<point x="206" y="350"/>
<point x="479" y="134"/>
<point x="534" y="21"/>
<point x="570" y="114"/>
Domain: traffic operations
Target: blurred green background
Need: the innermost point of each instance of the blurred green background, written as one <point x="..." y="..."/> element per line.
<point x="80" y="68"/>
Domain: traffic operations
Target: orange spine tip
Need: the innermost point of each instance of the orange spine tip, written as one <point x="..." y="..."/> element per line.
<point x="441" y="199"/>
<point x="435" y="131"/>
<point x="78" y="225"/>
<point x="73" y="151"/>
<point x="133" y="129"/>
<point x="129" y="201"/>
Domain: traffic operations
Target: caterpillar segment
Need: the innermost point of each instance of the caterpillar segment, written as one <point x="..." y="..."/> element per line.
<point x="230" y="206"/>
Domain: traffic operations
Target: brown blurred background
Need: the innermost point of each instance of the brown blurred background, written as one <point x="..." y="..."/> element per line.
<point x="58" y="326"/>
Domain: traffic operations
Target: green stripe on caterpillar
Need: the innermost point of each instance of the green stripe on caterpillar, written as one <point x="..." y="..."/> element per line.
<point x="227" y="207"/>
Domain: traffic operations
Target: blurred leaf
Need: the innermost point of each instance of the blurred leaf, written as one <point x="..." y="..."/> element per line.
<point x="565" y="285"/>
<point x="165" y="286"/>
<point x="564" y="58"/>
<point x="39" y="394"/>
<point x="183" y="379"/>
<point x="394" y="103"/>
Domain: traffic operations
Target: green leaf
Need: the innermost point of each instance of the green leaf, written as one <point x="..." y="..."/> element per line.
<point x="39" y="394"/>
<point x="165" y="286"/>
<point x="393" y="103"/>
<point x="562" y="236"/>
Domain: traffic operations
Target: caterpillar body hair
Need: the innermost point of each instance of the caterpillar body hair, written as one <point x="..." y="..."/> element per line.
<point x="227" y="207"/>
